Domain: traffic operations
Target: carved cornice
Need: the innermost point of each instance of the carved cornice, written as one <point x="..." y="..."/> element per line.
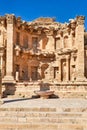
<point x="45" y="25"/>
<point x="66" y="51"/>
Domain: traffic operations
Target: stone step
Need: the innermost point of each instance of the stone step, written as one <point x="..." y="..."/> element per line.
<point x="46" y="120"/>
<point x="43" y="114"/>
<point x="42" y="126"/>
<point x="27" y="109"/>
<point x="43" y="119"/>
<point x="43" y="109"/>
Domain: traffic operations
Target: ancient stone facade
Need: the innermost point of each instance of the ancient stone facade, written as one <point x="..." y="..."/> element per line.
<point x="42" y="50"/>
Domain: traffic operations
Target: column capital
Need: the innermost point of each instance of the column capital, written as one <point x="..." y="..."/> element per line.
<point x="10" y="18"/>
<point x="80" y="20"/>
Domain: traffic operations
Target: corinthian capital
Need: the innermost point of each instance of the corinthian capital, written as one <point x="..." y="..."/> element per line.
<point x="10" y="18"/>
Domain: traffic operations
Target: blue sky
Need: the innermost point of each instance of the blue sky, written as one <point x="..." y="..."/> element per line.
<point x="29" y="10"/>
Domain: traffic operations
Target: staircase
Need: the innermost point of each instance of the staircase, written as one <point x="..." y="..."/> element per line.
<point x="13" y="117"/>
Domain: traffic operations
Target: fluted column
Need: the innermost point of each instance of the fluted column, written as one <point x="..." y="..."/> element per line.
<point x="9" y="50"/>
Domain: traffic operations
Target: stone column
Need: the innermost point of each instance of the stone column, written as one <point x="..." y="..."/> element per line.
<point x="60" y="72"/>
<point x="1" y="75"/>
<point x="2" y="37"/>
<point x="39" y="73"/>
<point x="1" y="61"/>
<point x="17" y="76"/>
<point x="80" y="45"/>
<point x="9" y="50"/>
<point x="67" y="68"/>
<point x="29" y="68"/>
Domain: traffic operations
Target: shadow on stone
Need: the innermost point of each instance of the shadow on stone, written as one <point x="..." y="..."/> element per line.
<point x="53" y="96"/>
<point x="16" y="100"/>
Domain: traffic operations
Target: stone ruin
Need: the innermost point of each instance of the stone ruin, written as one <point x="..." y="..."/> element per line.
<point x="42" y="50"/>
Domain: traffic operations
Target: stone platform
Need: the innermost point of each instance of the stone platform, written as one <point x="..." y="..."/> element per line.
<point x="62" y="90"/>
<point x="47" y="114"/>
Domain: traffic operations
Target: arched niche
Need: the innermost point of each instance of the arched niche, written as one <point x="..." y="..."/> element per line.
<point x="57" y="43"/>
<point x="35" y="43"/>
<point x="25" y="41"/>
<point x="66" y="41"/>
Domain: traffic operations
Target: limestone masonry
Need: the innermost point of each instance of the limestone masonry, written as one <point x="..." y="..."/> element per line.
<point x="42" y="52"/>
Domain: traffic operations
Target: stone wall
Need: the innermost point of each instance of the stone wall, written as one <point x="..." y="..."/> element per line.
<point x="61" y="90"/>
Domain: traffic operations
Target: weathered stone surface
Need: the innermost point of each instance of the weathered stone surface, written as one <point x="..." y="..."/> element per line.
<point x="39" y="54"/>
<point x="64" y="114"/>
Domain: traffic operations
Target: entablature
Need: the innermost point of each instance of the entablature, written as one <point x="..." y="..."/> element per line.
<point x="66" y="51"/>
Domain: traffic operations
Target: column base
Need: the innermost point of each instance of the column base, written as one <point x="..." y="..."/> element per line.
<point x="81" y="79"/>
<point x="8" y="79"/>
